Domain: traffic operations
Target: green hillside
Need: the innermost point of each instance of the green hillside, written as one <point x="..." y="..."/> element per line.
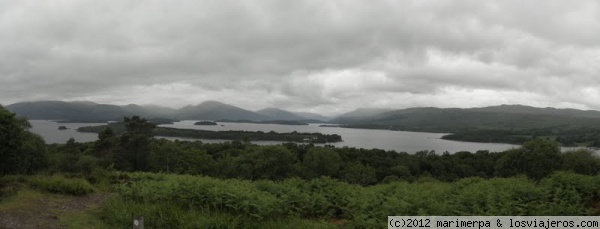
<point x="507" y="123"/>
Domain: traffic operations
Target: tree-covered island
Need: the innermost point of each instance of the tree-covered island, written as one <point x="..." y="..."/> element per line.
<point x="225" y="135"/>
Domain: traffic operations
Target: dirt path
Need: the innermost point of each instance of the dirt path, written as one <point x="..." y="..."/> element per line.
<point x="32" y="209"/>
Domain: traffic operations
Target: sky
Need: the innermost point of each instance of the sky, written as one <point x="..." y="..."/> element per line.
<point x="323" y="56"/>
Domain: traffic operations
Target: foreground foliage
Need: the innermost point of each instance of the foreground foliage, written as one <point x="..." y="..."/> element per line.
<point x="61" y="185"/>
<point x="226" y="135"/>
<point x="183" y="201"/>
<point x="240" y="185"/>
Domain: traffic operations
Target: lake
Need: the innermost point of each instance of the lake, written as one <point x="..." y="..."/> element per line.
<point x="400" y="141"/>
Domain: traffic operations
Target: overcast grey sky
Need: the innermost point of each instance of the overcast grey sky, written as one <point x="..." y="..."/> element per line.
<point x="321" y="56"/>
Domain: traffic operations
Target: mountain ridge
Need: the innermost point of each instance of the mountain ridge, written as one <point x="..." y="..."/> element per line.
<point x="279" y="114"/>
<point x="502" y="117"/>
<point x="430" y="119"/>
<point x="86" y="111"/>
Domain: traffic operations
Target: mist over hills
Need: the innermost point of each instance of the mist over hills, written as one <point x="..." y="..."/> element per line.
<point x="359" y="114"/>
<point x="279" y="114"/>
<point x="94" y="112"/>
<point x="428" y="119"/>
<point x="503" y="117"/>
<point x="71" y="111"/>
<point x="213" y="110"/>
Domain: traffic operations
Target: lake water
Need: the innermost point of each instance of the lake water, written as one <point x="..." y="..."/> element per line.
<point x="399" y="141"/>
<point x="50" y="132"/>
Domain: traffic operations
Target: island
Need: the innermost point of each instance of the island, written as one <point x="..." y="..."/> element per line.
<point x="62" y="128"/>
<point x="329" y="125"/>
<point x="278" y="122"/>
<point x="240" y="135"/>
<point x="205" y="123"/>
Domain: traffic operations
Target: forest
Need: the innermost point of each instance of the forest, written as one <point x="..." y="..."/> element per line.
<point x="190" y="184"/>
<point x="240" y="135"/>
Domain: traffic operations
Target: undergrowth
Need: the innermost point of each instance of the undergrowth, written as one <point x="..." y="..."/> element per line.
<point x="183" y="201"/>
<point x="61" y="185"/>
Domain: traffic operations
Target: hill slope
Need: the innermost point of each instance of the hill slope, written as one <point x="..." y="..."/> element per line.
<point x="72" y="111"/>
<point x="504" y="117"/>
<point x="213" y="110"/>
<point x="84" y="111"/>
<point x="313" y="116"/>
<point x="279" y="114"/>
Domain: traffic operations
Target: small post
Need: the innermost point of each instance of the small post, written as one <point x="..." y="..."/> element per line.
<point x="138" y="222"/>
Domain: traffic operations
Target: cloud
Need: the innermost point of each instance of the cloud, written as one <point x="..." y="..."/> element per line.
<point x="322" y="56"/>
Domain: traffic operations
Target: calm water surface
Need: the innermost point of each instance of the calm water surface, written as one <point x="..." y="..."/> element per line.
<point x="50" y="132"/>
<point x="400" y="141"/>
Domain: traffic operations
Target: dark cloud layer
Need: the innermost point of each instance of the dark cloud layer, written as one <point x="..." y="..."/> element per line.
<point x="321" y="56"/>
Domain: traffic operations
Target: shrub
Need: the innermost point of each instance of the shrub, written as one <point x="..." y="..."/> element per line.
<point x="61" y="185"/>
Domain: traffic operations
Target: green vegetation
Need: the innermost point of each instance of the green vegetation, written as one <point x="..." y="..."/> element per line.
<point x="565" y="135"/>
<point x="182" y="184"/>
<point x="61" y="185"/>
<point x="119" y="128"/>
<point x="193" y="201"/>
<point x="205" y="123"/>
<point x="501" y="124"/>
<point x="279" y="122"/>
<point x="20" y="150"/>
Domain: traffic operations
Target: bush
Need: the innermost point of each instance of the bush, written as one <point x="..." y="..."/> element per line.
<point x="61" y="185"/>
<point x="582" y="161"/>
<point x="9" y="185"/>
<point x="169" y="199"/>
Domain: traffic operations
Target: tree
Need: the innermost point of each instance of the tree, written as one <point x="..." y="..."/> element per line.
<point x="20" y="150"/>
<point x="105" y="147"/>
<point x="135" y="144"/>
<point x="266" y="162"/>
<point x="357" y="173"/>
<point x="164" y="156"/>
<point x="582" y="161"/>
<point x="322" y="162"/>
<point x="537" y="159"/>
<point x="542" y="157"/>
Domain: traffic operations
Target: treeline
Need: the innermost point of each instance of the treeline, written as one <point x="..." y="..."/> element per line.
<point x="119" y="128"/>
<point x="135" y="149"/>
<point x="278" y="122"/>
<point x="585" y="136"/>
<point x="536" y="159"/>
<point x="20" y="150"/>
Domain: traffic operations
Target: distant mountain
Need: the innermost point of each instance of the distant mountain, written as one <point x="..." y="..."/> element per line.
<point x="150" y="111"/>
<point x="81" y="111"/>
<point x="359" y="114"/>
<point x="504" y="117"/>
<point x="72" y="111"/>
<point x="94" y="112"/>
<point x="213" y="110"/>
<point x="520" y="109"/>
<point x="312" y="116"/>
<point x="279" y="114"/>
<point x="428" y="119"/>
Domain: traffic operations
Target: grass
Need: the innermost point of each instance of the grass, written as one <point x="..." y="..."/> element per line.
<point x="118" y="213"/>
<point x="61" y="185"/>
<point x="86" y="219"/>
<point x="184" y="201"/>
<point x="49" y="202"/>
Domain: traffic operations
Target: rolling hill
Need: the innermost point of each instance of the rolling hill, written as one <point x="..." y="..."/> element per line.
<point x="504" y="117"/>
<point x="71" y="111"/>
<point x="279" y="114"/>
<point x="84" y="111"/>
<point x="213" y="110"/>
<point x="94" y="112"/>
